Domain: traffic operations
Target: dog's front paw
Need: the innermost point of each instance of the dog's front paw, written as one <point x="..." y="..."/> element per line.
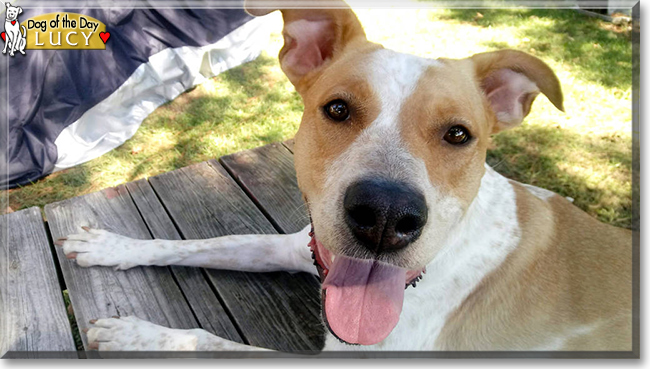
<point x="100" y="247"/>
<point x="133" y="334"/>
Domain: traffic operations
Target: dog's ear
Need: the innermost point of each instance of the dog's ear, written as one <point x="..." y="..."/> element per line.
<point x="7" y="5"/>
<point x="20" y="10"/>
<point x="511" y="80"/>
<point x="312" y="37"/>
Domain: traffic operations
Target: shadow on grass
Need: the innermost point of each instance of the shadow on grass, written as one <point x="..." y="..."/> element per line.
<point x="595" y="53"/>
<point x="52" y="188"/>
<point x="251" y="78"/>
<point x="546" y="157"/>
<point x="248" y="105"/>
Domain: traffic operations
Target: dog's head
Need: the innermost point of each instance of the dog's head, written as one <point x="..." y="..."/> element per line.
<point x="390" y="154"/>
<point x="13" y="12"/>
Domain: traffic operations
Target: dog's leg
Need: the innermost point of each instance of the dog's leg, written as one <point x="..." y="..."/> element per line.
<point x="251" y="253"/>
<point x="9" y="44"/>
<point x="133" y="334"/>
<point x="4" y="51"/>
<point x="16" y="42"/>
<point x="255" y="253"/>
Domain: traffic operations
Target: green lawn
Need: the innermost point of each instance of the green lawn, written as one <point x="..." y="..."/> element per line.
<point x="584" y="153"/>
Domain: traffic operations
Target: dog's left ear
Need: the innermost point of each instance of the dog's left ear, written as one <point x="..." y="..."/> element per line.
<point x="511" y="80"/>
<point x="20" y="10"/>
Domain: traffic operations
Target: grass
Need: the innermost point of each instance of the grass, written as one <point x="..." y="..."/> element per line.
<point x="73" y="322"/>
<point x="584" y="153"/>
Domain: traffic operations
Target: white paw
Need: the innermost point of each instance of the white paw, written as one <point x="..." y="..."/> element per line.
<point x="100" y="247"/>
<point x="134" y="334"/>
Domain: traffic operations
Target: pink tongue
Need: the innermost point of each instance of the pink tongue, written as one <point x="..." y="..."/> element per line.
<point x="363" y="299"/>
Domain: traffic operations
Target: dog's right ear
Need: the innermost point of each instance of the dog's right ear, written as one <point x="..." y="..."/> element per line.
<point x="511" y="80"/>
<point x="7" y="5"/>
<point x="312" y="37"/>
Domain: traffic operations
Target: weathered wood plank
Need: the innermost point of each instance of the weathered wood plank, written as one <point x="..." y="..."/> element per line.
<point x="289" y="144"/>
<point x="268" y="176"/>
<point x="149" y="293"/>
<point x="204" y="303"/>
<point x="273" y="310"/>
<point x="33" y="321"/>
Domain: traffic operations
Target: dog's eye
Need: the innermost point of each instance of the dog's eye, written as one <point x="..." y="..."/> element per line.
<point x="457" y="135"/>
<point x="337" y="110"/>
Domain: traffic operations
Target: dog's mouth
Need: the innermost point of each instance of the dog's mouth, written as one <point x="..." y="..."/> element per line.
<point x="362" y="299"/>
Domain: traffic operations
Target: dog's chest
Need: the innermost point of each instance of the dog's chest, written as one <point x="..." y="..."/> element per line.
<point x="11" y="27"/>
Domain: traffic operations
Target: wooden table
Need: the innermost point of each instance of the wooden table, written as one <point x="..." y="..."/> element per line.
<point x="253" y="191"/>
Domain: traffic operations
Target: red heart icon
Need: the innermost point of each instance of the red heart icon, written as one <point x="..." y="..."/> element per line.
<point x="4" y="38"/>
<point x="13" y="22"/>
<point x="104" y="36"/>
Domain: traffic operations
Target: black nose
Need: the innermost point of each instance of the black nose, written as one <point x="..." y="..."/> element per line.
<point x="384" y="215"/>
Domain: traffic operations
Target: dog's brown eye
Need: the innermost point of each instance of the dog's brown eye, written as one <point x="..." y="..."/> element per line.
<point x="457" y="135"/>
<point x="337" y="110"/>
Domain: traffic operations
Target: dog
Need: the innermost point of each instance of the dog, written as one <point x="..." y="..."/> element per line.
<point x="15" y="39"/>
<point x="390" y="159"/>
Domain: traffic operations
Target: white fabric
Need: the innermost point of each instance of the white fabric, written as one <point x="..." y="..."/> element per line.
<point x="168" y="73"/>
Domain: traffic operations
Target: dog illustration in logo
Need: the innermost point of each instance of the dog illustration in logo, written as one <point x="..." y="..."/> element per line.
<point x="12" y="35"/>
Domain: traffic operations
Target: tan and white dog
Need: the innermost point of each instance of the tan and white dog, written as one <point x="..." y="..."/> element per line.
<point x="390" y="158"/>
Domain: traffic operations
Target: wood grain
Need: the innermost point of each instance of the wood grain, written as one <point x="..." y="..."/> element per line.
<point x="289" y="144"/>
<point x="268" y="176"/>
<point x="99" y="292"/>
<point x="33" y="321"/>
<point x="204" y="303"/>
<point x="273" y="310"/>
